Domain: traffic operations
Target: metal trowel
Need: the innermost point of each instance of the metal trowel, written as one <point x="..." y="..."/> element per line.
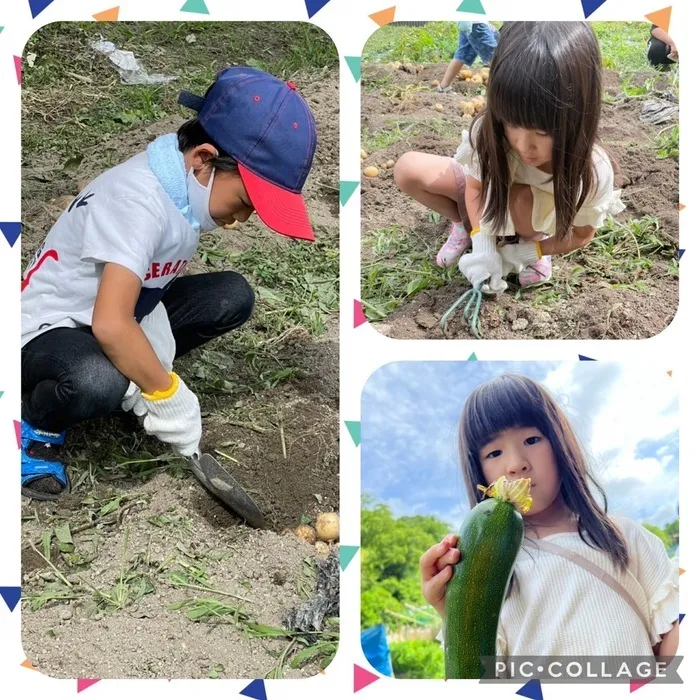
<point x="221" y="484"/>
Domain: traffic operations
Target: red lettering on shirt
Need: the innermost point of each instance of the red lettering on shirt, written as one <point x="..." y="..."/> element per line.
<point x="49" y="254"/>
<point x="164" y="269"/>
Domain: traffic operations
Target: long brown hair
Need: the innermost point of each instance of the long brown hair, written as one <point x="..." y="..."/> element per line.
<point x="544" y="76"/>
<point x="514" y="401"/>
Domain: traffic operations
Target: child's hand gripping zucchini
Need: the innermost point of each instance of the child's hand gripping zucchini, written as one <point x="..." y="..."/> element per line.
<point x="489" y="541"/>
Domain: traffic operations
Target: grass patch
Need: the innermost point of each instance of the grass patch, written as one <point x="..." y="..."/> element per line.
<point x="667" y="142"/>
<point x="630" y="89"/>
<point x="297" y="290"/>
<point x="622" y="252"/>
<point x="622" y="44"/>
<point x="434" y="43"/>
<point x="401" y="267"/>
<point x="301" y="647"/>
<point x="76" y="92"/>
<point x="392" y="132"/>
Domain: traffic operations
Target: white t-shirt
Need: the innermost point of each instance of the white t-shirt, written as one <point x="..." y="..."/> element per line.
<point x="124" y="216"/>
<point x="603" y="200"/>
<point x="560" y="609"/>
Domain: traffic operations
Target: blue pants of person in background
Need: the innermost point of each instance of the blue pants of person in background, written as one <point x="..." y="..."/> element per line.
<point x="476" y="39"/>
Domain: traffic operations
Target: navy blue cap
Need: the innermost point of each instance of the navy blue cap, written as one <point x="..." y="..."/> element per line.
<point x="267" y="127"/>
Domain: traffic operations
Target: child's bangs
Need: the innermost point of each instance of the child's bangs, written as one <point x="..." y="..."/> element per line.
<point x="524" y="98"/>
<point x="500" y="405"/>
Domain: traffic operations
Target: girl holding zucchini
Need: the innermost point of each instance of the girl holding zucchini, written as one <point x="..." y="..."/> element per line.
<point x="582" y="582"/>
<point x="530" y="169"/>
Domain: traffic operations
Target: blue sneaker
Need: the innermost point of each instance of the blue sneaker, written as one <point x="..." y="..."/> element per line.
<point x="43" y="477"/>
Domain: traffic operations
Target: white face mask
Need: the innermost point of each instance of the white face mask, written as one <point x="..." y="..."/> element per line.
<point x="199" y="196"/>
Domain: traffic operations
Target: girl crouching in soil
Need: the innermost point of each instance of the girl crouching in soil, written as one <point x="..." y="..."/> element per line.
<point x="529" y="179"/>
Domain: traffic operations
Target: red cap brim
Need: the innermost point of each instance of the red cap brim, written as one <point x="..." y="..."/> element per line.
<point x="279" y="209"/>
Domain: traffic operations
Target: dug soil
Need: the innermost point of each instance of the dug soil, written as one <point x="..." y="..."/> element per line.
<point x="587" y="298"/>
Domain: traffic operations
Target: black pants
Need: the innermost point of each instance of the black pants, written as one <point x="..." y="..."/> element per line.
<point x="657" y="53"/>
<point x="66" y="378"/>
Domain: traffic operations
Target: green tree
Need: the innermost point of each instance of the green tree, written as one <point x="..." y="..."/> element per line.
<point x="661" y="534"/>
<point x="672" y="531"/>
<point x="417" y="658"/>
<point x="375" y="602"/>
<point x="390" y="554"/>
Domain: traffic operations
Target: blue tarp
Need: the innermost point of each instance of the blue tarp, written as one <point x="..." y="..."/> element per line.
<point x="376" y="648"/>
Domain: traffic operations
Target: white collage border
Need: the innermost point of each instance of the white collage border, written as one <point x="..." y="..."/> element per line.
<point x="363" y="350"/>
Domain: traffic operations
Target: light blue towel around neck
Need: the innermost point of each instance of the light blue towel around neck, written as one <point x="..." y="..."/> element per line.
<point x="168" y="165"/>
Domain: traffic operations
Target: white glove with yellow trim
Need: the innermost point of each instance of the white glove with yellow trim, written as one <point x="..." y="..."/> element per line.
<point x="157" y="328"/>
<point x="174" y="417"/>
<point x="484" y="264"/>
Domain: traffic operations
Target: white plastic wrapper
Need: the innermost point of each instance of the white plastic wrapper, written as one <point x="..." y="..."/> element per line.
<point x="130" y="69"/>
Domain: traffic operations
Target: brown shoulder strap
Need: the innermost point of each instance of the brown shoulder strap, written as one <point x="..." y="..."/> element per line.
<point x="594" y="569"/>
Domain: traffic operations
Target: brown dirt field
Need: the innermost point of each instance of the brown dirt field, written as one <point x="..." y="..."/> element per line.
<point x="590" y="296"/>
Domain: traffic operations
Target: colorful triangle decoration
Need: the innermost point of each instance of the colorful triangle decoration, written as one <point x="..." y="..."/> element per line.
<point x="18" y="69"/>
<point x="85" y="683"/>
<point x="347" y="189"/>
<point x="636" y="685"/>
<point x="670" y="373"/>
<point x="11" y="230"/>
<point x="532" y="689"/>
<point x="473" y="6"/>
<point x="111" y="15"/>
<point x="661" y="18"/>
<point x="313" y="6"/>
<point x="355" y="66"/>
<point x="28" y="664"/>
<point x="1" y="28"/>
<point x="358" y="314"/>
<point x="18" y="433"/>
<point x="1" y="394"/>
<point x="38" y="6"/>
<point x="198" y="7"/>
<point x="681" y="571"/>
<point x="256" y="690"/>
<point x="681" y="207"/>
<point x="590" y="6"/>
<point x="11" y="596"/>
<point x="346" y="552"/>
<point x="680" y="618"/>
<point x="354" y="428"/>
<point x="362" y="678"/>
<point x="384" y="16"/>
<point x="680" y="252"/>
<point x="472" y="358"/>
<point x="583" y="358"/>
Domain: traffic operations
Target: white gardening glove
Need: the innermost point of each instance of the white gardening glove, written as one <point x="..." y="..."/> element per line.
<point x="133" y="401"/>
<point x="484" y="265"/>
<point x="174" y="417"/>
<point x="156" y="327"/>
<point x="520" y="255"/>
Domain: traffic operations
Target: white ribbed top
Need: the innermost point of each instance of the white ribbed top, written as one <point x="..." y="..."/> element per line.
<point x="560" y="609"/>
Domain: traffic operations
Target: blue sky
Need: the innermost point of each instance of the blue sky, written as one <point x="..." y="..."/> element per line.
<point x="625" y="416"/>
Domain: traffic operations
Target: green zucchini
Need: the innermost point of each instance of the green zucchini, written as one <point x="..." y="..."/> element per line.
<point x="489" y="541"/>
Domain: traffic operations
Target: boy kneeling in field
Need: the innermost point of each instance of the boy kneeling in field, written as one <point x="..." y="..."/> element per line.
<point x="105" y="309"/>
